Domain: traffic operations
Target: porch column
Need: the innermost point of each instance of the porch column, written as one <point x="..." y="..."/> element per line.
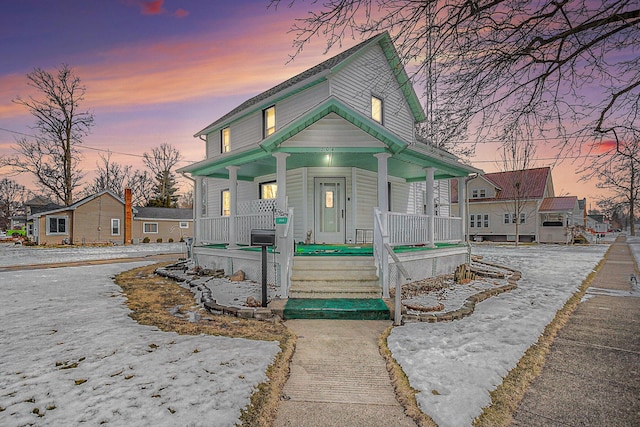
<point x="383" y="190"/>
<point x="233" y="204"/>
<point x="281" y="180"/>
<point x="431" y="211"/>
<point x="197" y="209"/>
<point x="462" y="204"/>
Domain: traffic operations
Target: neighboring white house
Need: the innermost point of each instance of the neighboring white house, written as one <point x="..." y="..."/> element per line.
<point x="496" y="201"/>
<point x="329" y="157"/>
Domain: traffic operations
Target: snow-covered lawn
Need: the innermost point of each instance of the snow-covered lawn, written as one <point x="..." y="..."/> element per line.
<point x="71" y="355"/>
<point x="11" y="254"/>
<point x="455" y="364"/>
<point x="59" y="327"/>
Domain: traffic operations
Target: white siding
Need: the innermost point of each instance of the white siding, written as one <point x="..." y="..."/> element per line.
<point x="370" y="74"/>
<point x="294" y="106"/>
<point x="294" y="194"/>
<point x="367" y="198"/>
<point x="399" y="195"/>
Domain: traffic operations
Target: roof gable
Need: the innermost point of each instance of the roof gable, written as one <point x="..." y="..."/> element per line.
<point x="318" y="73"/>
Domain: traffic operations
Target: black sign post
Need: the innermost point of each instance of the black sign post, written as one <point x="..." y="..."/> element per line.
<point x="263" y="238"/>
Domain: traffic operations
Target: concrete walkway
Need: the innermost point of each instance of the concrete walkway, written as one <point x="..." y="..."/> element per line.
<point x="339" y="378"/>
<point x="591" y="376"/>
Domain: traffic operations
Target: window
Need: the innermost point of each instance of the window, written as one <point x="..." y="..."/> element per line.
<point x="115" y="226"/>
<point x="204" y="199"/>
<point x="479" y="221"/>
<point x="269" y="121"/>
<point x="184" y="224"/>
<point x="150" y="227"/>
<point x="511" y="218"/>
<point x="268" y="190"/>
<point x="376" y="109"/>
<point x="56" y="225"/>
<point x="225" y="203"/>
<point x="479" y="193"/>
<point x="225" y="141"/>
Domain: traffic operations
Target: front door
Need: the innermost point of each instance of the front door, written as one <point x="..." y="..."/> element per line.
<point x="329" y="210"/>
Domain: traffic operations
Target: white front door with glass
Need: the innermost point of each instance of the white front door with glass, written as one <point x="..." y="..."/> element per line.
<point x="329" y="210"/>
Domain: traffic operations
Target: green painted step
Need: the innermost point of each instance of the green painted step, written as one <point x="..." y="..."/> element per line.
<point x="338" y="308"/>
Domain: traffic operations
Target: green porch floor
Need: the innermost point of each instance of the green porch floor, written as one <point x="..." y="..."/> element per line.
<point x="341" y="250"/>
<point x="339" y="308"/>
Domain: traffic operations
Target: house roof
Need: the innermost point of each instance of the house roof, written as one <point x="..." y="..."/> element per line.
<point x="74" y="206"/>
<point x="163" y="213"/>
<point x="318" y="73"/>
<point x="532" y="184"/>
<point x="558" y="204"/>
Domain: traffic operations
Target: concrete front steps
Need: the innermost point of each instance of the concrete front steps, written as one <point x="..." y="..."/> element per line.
<point x="327" y="277"/>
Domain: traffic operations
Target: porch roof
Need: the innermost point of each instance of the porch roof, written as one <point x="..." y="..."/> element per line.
<point x="408" y="160"/>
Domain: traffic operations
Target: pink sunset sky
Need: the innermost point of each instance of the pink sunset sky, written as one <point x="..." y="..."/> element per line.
<point x="159" y="71"/>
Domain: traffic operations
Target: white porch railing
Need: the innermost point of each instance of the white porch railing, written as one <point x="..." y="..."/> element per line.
<point x="244" y="224"/>
<point x="395" y="229"/>
<point x="213" y="230"/>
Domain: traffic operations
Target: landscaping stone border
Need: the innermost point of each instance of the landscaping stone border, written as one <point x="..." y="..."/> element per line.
<point x="470" y="303"/>
<point x="202" y="294"/>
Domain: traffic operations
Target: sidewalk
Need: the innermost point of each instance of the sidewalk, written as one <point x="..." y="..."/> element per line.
<point x="591" y="376"/>
<point x="339" y="378"/>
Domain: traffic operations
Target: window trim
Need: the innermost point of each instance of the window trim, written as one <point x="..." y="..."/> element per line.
<point x="267" y="131"/>
<point x="183" y="224"/>
<point x="225" y="146"/>
<point x="115" y="221"/>
<point x="48" y="219"/>
<point x="381" y="101"/>
<point x="144" y="228"/>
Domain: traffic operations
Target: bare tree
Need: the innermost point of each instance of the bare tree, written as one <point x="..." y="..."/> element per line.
<point x="115" y="177"/>
<point x="52" y="156"/>
<point x="12" y="197"/>
<point x="518" y="153"/>
<point x="161" y="162"/>
<point x="570" y="66"/>
<point x="618" y="171"/>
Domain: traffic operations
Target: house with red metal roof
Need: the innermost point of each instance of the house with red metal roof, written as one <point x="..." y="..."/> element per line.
<point x="503" y="205"/>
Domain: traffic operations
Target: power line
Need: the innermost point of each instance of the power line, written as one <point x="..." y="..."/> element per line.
<point x="80" y="147"/>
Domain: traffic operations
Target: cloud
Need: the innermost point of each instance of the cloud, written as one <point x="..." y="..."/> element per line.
<point x="181" y="13"/>
<point x="153" y="7"/>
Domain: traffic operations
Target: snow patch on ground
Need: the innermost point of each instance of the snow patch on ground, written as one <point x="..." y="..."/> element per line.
<point x="72" y="355"/>
<point x="455" y="364"/>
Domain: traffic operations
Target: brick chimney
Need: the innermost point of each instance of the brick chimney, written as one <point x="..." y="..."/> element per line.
<point x="128" y="217"/>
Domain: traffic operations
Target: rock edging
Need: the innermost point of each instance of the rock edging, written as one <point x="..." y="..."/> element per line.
<point x="470" y="303"/>
<point x="202" y="295"/>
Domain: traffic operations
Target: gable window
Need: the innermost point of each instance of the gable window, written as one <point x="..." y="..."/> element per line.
<point x="150" y="227"/>
<point x="479" y="193"/>
<point x="376" y="109"/>
<point x="184" y="224"/>
<point x="268" y="190"/>
<point x="115" y="226"/>
<point x="225" y="140"/>
<point x="269" y="121"/>
<point x="225" y="203"/>
<point x="56" y="225"/>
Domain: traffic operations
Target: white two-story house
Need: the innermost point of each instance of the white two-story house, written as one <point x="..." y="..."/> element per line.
<point x="331" y="161"/>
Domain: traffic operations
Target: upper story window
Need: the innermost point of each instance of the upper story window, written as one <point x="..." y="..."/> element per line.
<point x="269" y="121"/>
<point x="479" y="193"/>
<point x="225" y="140"/>
<point x="376" y="109"/>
